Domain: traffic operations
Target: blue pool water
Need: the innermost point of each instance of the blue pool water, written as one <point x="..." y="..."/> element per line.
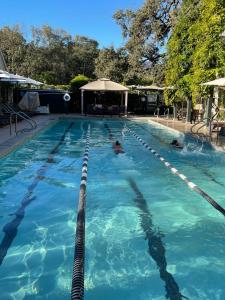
<point x="148" y="236"/>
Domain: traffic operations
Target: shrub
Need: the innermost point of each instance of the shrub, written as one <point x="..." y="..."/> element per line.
<point x="77" y="82"/>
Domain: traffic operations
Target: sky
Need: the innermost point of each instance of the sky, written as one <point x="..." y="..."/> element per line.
<point x="84" y="17"/>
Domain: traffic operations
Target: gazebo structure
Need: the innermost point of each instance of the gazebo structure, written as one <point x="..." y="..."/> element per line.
<point x="104" y="85"/>
<point x="151" y="99"/>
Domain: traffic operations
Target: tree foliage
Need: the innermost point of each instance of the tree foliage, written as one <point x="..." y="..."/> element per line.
<point x="112" y="64"/>
<point x="77" y="82"/>
<point x="146" y="31"/>
<point x="52" y="55"/>
<point x="196" y="48"/>
<point x="13" y="46"/>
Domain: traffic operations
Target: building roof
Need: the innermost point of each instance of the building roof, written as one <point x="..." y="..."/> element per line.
<point x="104" y="84"/>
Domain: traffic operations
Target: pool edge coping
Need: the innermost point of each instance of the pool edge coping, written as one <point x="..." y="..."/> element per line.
<point x="12" y="143"/>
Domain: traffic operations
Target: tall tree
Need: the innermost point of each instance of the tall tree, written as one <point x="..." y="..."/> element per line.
<point x="52" y="50"/>
<point x="112" y="64"/>
<point x="13" y="46"/>
<point x="146" y="31"/>
<point x="52" y="55"/>
<point x="195" y="48"/>
<point x="84" y="53"/>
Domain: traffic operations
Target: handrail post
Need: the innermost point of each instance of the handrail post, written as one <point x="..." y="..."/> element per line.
<point x="10" y="124"/>
<point x="16" y="125"/>
<point x="209" y="128"/>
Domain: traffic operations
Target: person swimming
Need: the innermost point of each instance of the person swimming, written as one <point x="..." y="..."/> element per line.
<point x="117" y="147"/>
<point x="176" y="144"/>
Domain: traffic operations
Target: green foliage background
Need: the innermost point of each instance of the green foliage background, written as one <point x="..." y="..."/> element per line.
<point x="195" y="49"/>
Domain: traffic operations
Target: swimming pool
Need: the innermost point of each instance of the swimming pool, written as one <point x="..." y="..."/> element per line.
<point x="148" y="235"/>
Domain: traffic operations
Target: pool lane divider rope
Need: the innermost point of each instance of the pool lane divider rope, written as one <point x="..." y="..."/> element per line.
<point x="189" y="183"/>
<point x="11" y="228"/>
<point x="77" y="290"/>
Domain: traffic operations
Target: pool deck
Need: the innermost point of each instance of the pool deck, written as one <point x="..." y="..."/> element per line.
<point x="174" y="124"/>
<point x="9" y="142"/>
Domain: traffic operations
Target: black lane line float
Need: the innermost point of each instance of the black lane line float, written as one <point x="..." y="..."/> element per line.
<point x="189" y="183"/>
<point x="156" y="248"/>
<point x="10" y="229"/>
<point x="77" y="290"/>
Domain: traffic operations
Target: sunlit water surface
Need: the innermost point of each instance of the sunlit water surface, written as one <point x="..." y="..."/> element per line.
<point x="148" y="236"/>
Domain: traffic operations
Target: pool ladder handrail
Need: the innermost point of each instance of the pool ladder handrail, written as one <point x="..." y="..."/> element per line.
<point x="208" y="123"/>
<point x="156" y="112"/>
<point x="33" y="124"/>
<point x="167" y="113"/>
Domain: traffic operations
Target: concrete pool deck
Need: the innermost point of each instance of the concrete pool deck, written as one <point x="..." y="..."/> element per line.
<point x="9" y="142"/>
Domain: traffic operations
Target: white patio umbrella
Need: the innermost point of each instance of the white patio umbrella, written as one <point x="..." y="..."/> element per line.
<point x="8" y="77"/>
<point x="220" y="82"/>
<point x="149" y="87"/>
<point x="14" y="78"/>
<point x="30" y="81"/>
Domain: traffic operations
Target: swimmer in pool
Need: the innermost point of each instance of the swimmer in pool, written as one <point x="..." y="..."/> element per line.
<point x="117" y="147"/>
<point x="176" y="144"/>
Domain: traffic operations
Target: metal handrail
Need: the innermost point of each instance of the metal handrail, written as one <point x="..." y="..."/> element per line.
<point x="208" y="124"/>
<point x="218" y="128"/>
<point x="167" y="112"/>
<point x="11" y="121"/>
<point x="156" y="112"/>
<point x="217" y="110"/>
<point x="22" y="115"/>
<point x="10" y="109"/>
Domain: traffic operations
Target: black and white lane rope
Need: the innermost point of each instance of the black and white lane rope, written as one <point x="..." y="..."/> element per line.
<point x="189" y="183"/>
<point x="77" y="290"/>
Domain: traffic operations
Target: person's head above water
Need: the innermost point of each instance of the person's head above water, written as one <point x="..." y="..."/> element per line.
<point x="117" y="143"/>
<point x="174" y="142"/>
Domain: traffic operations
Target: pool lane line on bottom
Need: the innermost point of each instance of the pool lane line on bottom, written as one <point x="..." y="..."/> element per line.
<point x="77" y="289"/>
<point x="11" y="229"/>
<point x="189" y="183"/>
<point x="156" y="248"/>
